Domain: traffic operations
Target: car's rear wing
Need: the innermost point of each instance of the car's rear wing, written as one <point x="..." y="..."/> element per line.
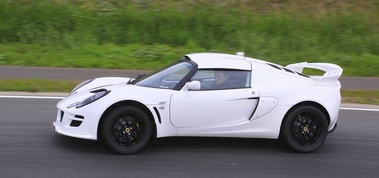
<point x="332" y="72"/>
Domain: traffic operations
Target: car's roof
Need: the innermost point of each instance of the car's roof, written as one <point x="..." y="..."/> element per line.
<point x="220" y="61"/>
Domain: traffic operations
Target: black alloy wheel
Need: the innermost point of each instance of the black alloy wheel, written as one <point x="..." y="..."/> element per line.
<point x="304" y="129"/>
<point x="127" y="130"/>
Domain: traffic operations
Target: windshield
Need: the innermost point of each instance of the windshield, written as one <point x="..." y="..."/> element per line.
<point x="167" y="78"/>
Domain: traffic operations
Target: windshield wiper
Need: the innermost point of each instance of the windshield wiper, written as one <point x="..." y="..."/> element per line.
<point x="135" y="77"/>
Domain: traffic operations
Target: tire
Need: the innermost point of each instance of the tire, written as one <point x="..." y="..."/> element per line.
<point x="304" y="129"/>
<point x="126" y="130"/>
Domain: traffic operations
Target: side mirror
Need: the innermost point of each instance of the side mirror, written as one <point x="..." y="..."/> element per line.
<point x="194" y="85"/>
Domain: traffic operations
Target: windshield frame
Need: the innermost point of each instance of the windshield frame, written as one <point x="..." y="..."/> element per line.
<point x="180" y="84"/>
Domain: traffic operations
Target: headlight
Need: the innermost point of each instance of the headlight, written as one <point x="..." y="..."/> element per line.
<point x="81" y="84"/>
<point x="98" y="94"/>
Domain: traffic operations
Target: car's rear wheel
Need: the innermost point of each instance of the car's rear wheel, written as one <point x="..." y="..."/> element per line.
<point x="127" y="130"/>
<point x="304" y="129"/>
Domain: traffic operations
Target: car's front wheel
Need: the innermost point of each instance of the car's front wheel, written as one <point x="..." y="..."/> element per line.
<point x="127" y="130"/>
<point x="304" y="129"/>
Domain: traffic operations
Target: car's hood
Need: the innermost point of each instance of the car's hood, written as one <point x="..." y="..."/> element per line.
<point x="101" y="83"/>
<point x="118" y="90"/>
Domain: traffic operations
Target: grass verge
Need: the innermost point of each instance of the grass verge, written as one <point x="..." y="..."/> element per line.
<point x="155" y="56"/>
<point x="38" y="85"/>
<point x="360" y="96"/>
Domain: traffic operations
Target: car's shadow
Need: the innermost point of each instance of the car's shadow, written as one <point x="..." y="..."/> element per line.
<point x="79" y="145"/>
<point x="216" y="144"/>
<point x="173" y="144"/>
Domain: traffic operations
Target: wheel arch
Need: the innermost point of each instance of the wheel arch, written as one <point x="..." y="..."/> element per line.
<point x="129" y="103"/>
<point x="305" y="103"/>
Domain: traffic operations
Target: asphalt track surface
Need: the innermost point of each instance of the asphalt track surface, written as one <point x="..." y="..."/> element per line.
<point x="30" y="148"/>
<point x="78" y="74"/>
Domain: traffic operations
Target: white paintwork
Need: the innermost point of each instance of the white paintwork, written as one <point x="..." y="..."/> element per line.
<point x="211" y="108"/>
<point x="194" y="85"/>
<point x="266" y="104"/>
<point x="220" y="61"/>
<point x="255" y="112"/>
<point x="332" y="71"/>
<point x="101" y="82"/>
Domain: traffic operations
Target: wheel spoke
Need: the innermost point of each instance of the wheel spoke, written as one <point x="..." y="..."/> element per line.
<point x="134" y="134"/>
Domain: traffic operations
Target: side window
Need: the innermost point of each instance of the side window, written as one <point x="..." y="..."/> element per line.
<point x="217" y="79"/>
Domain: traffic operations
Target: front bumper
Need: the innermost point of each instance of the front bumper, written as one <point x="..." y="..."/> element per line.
<point x="74" y="125"/>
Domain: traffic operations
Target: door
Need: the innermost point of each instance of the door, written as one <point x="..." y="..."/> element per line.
<point x="213" y="107"/>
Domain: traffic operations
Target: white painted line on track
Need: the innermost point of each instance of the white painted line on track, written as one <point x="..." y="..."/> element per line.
<point x="359" y="109"/>
<point x="60" y="97"/>
<point x="32" y="97"/>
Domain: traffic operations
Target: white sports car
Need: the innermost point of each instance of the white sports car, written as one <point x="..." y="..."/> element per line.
<point x="206" y="95"/>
